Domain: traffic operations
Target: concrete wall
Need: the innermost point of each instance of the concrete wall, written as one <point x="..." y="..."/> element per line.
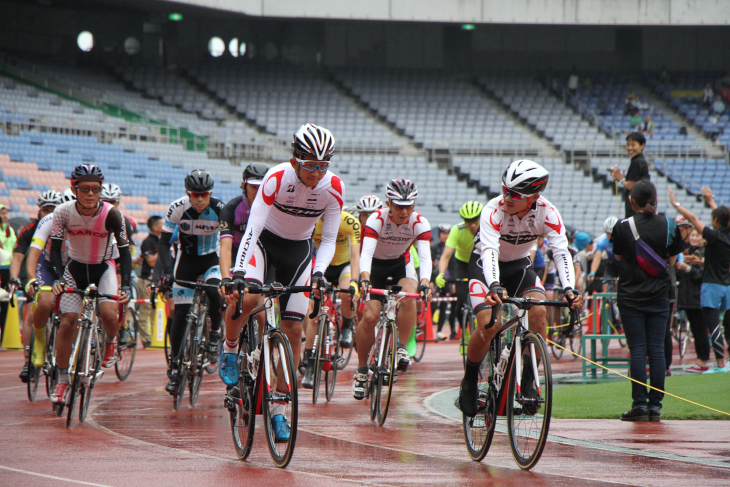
<point x="567" y="12"/>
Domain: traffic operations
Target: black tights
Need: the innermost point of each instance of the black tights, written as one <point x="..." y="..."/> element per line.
<point x="177" y="331"/>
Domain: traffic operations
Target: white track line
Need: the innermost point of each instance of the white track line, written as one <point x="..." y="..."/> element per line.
<point x="52" y="477"/>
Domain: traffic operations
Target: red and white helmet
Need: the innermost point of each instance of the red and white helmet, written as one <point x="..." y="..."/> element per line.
<point x="525" y="177"/>
<point x="313" y="141"/>
<point x="369" y="203"/>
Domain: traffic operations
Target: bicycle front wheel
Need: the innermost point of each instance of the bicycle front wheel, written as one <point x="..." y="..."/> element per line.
<point x="196" y="368"/>
<point x="34" y="373"/>
<point x="330" y="376"/>
<point x="127" y="345"/>
<point x="318" y="355"/>
<point x="280" y="406"/>
<point x="529" y="404"/>
<point x="94" y="369"/>
<point x="479" y="430"/>
<point x="467" y="326"/>
<point x="555" y="333"/>
<point x="385" y="372"/>
<point x="51" y="369"/>
<point x="81" y="357"/>
<point x="420" y="342"/>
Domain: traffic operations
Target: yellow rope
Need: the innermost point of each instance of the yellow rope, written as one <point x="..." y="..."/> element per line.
<point x="641" y="383"/>
<point x="567" y="324"/>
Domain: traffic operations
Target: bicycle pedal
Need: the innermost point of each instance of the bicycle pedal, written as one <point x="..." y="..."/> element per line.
<point x="99" y="374"/>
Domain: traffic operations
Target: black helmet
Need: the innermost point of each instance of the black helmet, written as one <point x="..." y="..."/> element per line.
<point x="199" y="181"/>
<point x="255" y="172"/>
<point x="86" y="172"/>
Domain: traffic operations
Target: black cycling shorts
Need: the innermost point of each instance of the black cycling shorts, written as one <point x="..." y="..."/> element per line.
<point x="517" y="276"/>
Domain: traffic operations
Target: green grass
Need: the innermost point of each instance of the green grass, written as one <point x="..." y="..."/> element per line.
<point x="609" y="400"/>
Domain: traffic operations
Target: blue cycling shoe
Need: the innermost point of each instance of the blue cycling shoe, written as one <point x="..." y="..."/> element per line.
<point x="228" y="370"/>
<point x="281" y="429"/>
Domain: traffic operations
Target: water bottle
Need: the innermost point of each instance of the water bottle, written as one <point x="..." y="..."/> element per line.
<point x="503" y="361"/>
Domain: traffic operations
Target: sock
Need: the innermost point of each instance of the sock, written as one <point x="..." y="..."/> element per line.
<point x="108" y="339"/>
<point x="230" y="346"/>
<point x="471" y="374"/>
<point x="362" y="370"/>
<point x="347" y="323"/>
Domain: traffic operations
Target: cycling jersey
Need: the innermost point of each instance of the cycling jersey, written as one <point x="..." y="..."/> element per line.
<point x="461" y="239"/>
<point x="348" y="234"/>
<point x="41" y="237"/>
<point x="288" y="209"/>
<point x="504" y="238"/>
<point x="234" y="218"/>
<point x="90" y="238"/>
<point x="198" y="231"/>
<point x="25" y="237"/>
<point x="384" y="240"/>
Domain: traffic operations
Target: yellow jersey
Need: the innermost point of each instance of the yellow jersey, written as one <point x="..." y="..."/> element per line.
<point x="348" y="234"/>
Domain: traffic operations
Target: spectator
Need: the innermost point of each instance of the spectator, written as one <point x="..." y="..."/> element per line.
<point x="604" y="263"/>
<point x="643" y="299"/>
<point x="632" y="102"/>
<point x="715" y="289"/>
<point x="638" y="168"/>
<point x="718" y="106"/>
<point x="689" y="274"/>
<point x="635" y="121"/>
<point x="584" y="245"/>
<point x="708" y="94"/>
<point x="437" y="250"/>
<point x="7" y="243"/>
<point x="647" y="128"/>
<point x="148" y="250"/>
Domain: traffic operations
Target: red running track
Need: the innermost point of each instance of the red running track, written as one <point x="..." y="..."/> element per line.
<point x="134" y="437"/>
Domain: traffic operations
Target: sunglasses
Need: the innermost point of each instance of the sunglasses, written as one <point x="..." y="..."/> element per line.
<point x="195" y="194"/>
<point x="89" y="189"/>
<point x="513" y="195"/>
<point x="314" y="165"/>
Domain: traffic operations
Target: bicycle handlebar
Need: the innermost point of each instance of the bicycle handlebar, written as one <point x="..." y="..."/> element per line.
<point x="390" y="292"/>
<point x="273" y="290"/>
<point x="526" y="304"/>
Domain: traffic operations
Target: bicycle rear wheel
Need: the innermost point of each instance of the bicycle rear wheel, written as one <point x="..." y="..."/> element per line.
<point x="529" y="406"/>
<point x="479" y="430"/>
<point x="318" y="355"/>
<point x="34" y="373"/>
<point x="127" y="345"/>
<point x="385" y="373"/>
<point x="280" y="399"/>
<point x="81" y="358"/>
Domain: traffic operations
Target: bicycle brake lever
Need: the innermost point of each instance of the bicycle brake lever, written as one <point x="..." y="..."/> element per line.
<point x="315" y="311"/>
<point x="493" y="318"/>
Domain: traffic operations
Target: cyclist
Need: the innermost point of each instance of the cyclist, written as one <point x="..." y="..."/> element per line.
<point x="500" y="264"/>
<point x="387" y="237"/>
<point x="293" y="196"/>
<point x="47" y="202"/>
<point x="604" y="254"/>
<point x="91" y="227"/>
<point x="461" y="243"/>
<point x="368" y="205"/>
<point x="344" y="264"/>
<point x="197" y="218"/>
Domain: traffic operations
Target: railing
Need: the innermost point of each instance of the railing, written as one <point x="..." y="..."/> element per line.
<point x="506" y="147"/>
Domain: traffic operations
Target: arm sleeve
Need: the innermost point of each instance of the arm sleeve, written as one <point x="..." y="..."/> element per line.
<point x="117" y="224"/>
<point x="328" y="245"/>
<point x="260" y="210"/>
<point x="227" y="219"/>
<point x="424" y="256"/>
<point x="370" y="241"/>
<point x="60" y="217"/>
<point x="42" y="233"/>
<point x="24" y="238"/>
<point x="489" y="228"/>
<point x="163" y="264"/>
<point x="555" y="234"/>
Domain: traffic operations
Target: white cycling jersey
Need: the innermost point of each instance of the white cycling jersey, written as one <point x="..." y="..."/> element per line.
<point x="383" y="239"/>
<point x="90" y="238"/>
<point x="43" y="234"/>
<point x="504" y="238"/>
<point x="290" y="210"/>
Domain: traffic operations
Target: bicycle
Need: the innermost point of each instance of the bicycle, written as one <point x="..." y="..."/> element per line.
<point x="86" y="354"/>
<point x="327" y="354"/>
<point x="561" y="333"/>
<point x="269" y="390"/>
<point x="382" y="356"/>
<point x="681" y="330"/>
<point x="194" y="356"/>
<point x="127" y="342"/>
<point x="500" y="388"/>
<point x="49" y="367"/>
<point x="467" y="323"/>
<point x="419" y="334"/>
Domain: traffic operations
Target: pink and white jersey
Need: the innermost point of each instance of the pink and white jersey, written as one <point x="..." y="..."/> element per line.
<point x="289" y="209"/>
<point x="383" y="239"/>
<point x="42" y="236"/>
<point x="90" y="238"/>
<point x="504" y="238"/>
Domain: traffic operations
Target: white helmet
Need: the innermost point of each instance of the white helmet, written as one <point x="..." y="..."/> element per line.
<point x="313" y="141"/>
<point x="525" y="177"/>
<point x="111" y="192"/>
<point x="609" y="223"/>
<point x="369" y="203"/>
<point x="49" y="197"/>
<point x="68" y="195"/>
<point x="401" y="192"/>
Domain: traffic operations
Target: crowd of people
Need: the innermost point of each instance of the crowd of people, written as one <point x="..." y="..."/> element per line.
<point x="289" y="225"/>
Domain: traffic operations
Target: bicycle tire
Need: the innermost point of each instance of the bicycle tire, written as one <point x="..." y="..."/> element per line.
<point x="80" y="361"/>
<point x="243" y="413"/>
<point x="479" y="430"/>
<point x="528" y="423"/>
<point x="34" y="373"/>
<point x="50" y="368"/>
<point x="167" y="344"/>
<point x="197" y="357"/>
<point x="127" y="349"/>
<point x="555" y="335"/>
<point x="420" y="343"/>
<point x="318" y="356"/>
<point x="682" y="334"/>
<point x="180" y="385"/>
<point x="372" y="390"/>
<point x="85" y="393"/>
<point x="466" y="323"/>
<point x="280" y="402"/>
<point x="342" y="356"/>
<point x="330" y="376"/>
<point x="386" y="373"/>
